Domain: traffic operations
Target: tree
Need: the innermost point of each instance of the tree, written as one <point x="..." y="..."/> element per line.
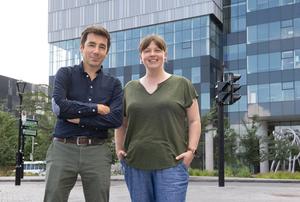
<point x="8" y="139"/>
<point x="230" y="147"/>
<point x="250" y="153"/>
<point x="38" y="106"/>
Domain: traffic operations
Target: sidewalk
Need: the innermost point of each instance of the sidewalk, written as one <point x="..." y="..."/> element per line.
<point x="204" y="189"/>
<point x="192" y="179"/>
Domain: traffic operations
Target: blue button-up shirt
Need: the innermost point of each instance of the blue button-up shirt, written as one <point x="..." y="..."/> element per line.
<point x="75" y="95"/>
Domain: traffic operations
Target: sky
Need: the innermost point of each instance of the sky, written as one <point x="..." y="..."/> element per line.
<point x="24" y="40"/>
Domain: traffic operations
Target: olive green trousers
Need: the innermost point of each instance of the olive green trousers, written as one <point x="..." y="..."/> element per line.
<point x="66" y="161"/>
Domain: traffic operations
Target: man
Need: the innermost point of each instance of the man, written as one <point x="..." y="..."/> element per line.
<point x="87" y="103"/>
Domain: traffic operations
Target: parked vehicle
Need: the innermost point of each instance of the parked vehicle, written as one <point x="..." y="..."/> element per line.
<point x="35" y="167"/>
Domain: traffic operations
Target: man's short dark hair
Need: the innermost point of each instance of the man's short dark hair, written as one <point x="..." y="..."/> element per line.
<point x="98" y="30"/>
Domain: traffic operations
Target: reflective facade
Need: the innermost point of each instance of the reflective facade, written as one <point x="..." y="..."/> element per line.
<point x="259" y="39"/>
<point x="262" y="44"/>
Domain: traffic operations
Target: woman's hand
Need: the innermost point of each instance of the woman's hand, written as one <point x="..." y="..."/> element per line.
<point x="121" y="154"/>
<point x="187" y="157"/>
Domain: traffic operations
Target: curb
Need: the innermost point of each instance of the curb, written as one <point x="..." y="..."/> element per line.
<point x="191" y="179"/>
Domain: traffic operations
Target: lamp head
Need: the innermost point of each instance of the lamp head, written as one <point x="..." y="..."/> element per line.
<point x="21" y="87"/>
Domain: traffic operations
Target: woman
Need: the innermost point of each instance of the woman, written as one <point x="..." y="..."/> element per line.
<point x="161" y="129"/>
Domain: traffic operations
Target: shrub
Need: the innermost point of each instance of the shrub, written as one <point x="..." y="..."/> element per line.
<point x="198" y="172"/>
<point x="279" y="175"/>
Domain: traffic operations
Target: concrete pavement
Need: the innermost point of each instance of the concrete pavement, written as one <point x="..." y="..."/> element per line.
<point x="201" y="189"/>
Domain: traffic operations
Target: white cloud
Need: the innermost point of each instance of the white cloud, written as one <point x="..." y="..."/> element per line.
<point x="23" y="39"/>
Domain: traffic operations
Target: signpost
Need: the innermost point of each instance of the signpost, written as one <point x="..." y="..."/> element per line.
<point x="30" y="127"/>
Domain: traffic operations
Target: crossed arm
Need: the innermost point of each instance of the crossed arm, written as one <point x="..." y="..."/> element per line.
<point x="87" y="114"/>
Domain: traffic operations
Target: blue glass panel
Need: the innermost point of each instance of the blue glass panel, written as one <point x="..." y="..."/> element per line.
<point x="274" y="30"/>
<point x="187" y="24"/>
<point x="242" y="23"/>
<point x="196" y="75"/>
<point x="263" y="62"/>
<point x="297" y="58"/>
<point x="263" y="32"/>
<point x="177" y="72"/>
<point x="196" y="22"/>
<point x="252" y="34"/>
<point x="120" y="46"/>
<point x="275" y="61"/>
<point x="263" y="93"/>
<point x="169" y="38"/>
<point x="252" y="64"/>
<point x="170" y="52"/>
<point x="273" y="3"/>
<point x="178" y="25"/>
<point x="186" y="35"/>
<point x="242" y="51"/>
<point x="120" y="59"/>
<point x="196" y="48"/>
<point x="169" y="27"/>
<point x="205" y="101"/>
<point x="251" y="5"/>
<point x="288" y="95"/>
<point x="297" y="27"/>
<point x="204" y="21"/>
<point x="297" y="90"/>
<point x="275" y="92"/>
<point x="178" y="36"/>
<point x="262" y="4"/>
<point x="252" y="94"/>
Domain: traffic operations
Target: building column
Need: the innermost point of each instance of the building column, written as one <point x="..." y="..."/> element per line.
<point x="262" y="132"/>
<point x="209" y="148"/>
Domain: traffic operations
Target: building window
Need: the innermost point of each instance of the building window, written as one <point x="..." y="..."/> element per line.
<point x="205" y="101"/>
<point x="272" y="31"/>
<point x="297" y="90"/>
<point x="253" y="5"/>
<point x="177" y="72"/>
<point x="196" y="75"/>
<point x="135" y="76"/>
<point x="263" y="62"/>
<point x="251" y="64"/>
<point x="275" y="92"/>
<point x="288" y="91"/>
<point x="252" y="94"/>
<point x="275" y="61"/>
<point x="297" y="58"/>
<point x="264" y="93"/>
<point x="287" y="29"/>
<point x="287" y="60"/>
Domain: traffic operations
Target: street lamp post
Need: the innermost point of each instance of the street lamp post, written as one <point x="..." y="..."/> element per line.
<point x="19" y="156"/>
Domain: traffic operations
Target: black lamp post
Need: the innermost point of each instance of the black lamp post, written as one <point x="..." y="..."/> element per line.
<point x="19" y="156"/>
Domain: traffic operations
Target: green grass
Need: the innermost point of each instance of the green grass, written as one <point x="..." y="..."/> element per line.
<point x="198" y="172"/>
<point x="6" y="171"/>
<point x="279" y="175"/>
<point x="244" y="172"/>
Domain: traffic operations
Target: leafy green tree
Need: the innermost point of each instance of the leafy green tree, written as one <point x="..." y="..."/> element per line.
<point x="38" y="106"/>
<point x="230" y="147"/>
<point x="250" y="152"/>
<point x="8" y="139"/>
<point x="230" y="137"/>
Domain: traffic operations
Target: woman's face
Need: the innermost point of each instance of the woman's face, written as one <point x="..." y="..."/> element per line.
<point x="153" y="57"/>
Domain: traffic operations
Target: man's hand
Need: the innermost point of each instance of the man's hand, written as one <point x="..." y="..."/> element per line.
<point x="75" y="121"/>
<point x="103" y="109"/>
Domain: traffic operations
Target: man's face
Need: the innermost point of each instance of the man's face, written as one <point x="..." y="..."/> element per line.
<point x="94" y="50"/>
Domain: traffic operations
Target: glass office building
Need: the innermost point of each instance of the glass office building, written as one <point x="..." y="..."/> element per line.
<point x="259" y="39"/>
<point x="192" y="30"/>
